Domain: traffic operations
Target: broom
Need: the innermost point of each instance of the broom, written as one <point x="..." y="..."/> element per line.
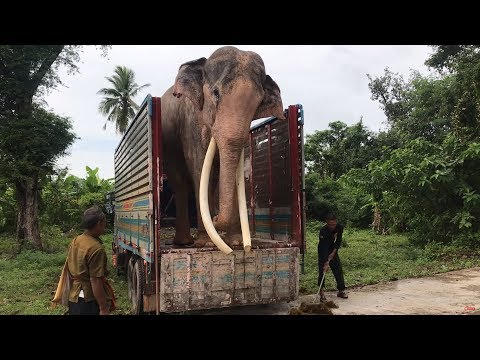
<point x="330" y="303"/>
<point x="318" y="307"/>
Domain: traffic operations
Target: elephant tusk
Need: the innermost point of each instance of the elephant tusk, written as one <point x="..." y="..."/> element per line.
<point x="242" y="205"/>
<point x="203" y="194"/>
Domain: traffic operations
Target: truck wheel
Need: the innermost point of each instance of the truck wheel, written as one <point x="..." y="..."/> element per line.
<point x="130" y="267"/>
<point x="138" y="281"/>
<point x="120" y="267"/>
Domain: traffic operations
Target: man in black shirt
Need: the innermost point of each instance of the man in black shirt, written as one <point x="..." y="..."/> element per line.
<point x="330" y="240"/>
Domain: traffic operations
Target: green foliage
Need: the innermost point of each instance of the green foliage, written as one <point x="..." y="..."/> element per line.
<point x="430" y="189"/>
<point x="9" y="247"/>
<point x="391" y="91"/>
<point x="27" y="146"/>
<point x="117" y="103"/>
<point x="419" y="107"/>
<point x="65" y="197"/>
<point x="32" y="137"/>
<point x="430" y="184"/>
<point x="28" y="279"/>
<point x="462" y="63"/>
<point x="331" y="153"/>
<point x="326" y="195"/>
<point x="7" y="208"/>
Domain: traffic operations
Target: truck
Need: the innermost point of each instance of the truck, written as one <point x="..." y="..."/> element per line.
<point x="164" y="278"/>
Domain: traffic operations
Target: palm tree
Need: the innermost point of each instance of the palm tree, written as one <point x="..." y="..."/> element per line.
<point x="118" y="104"/>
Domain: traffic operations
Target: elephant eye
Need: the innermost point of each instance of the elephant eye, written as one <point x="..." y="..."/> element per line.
<point x="216" y="93"/>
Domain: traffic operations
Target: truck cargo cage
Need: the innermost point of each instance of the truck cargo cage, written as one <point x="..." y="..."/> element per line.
<point x="163" y="277"/>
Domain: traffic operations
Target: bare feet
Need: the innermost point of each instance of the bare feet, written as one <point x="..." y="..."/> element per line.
<point x="219" y="224"/>
<point x="184" y="240"/>
<point x="234" y="239"/>
<point x="203" y="240"/>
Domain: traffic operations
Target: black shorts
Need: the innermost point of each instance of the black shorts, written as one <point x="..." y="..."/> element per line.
<point x="83" y="308"/>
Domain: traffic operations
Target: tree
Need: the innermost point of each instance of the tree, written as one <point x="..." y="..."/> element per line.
<point x="66" y="196"/>
<point x="29" y="152"/>
<point x="118" y="104"/>
<point x="27" y="147"/>
<point x="391" y="91"/>
<point x="420" y="107"/>
<point x="463" y="64"/>
<point x="332" y="152"/>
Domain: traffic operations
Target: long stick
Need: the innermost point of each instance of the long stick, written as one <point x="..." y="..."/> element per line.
<point x="321" y="282"/>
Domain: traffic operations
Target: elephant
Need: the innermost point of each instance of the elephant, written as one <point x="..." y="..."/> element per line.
<point x="213" y="100"/>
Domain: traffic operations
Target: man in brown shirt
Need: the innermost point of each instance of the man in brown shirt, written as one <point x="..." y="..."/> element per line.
<point x="87" y="263"/>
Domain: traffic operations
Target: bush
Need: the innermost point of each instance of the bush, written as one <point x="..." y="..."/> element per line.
<point x="326" y="195"/>
<point x="9" y="246"/>
<point x="54" y="240"/>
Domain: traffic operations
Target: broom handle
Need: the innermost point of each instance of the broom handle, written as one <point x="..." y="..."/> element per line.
<point x="321" y="282"/>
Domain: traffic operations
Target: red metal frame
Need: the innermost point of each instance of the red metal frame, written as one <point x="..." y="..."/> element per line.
<point x="270" y="180"/>
<point x="252" y="187"/>
<point x="295" y="172"/>
<point x="157" y="187"/>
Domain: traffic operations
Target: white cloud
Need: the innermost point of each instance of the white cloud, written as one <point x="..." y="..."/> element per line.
<point x="329" y="81"/>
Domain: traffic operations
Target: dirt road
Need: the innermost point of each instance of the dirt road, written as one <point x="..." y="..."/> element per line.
<point x="456" y="292"/>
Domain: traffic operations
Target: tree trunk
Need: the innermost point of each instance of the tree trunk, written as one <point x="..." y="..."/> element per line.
<point x="27" y="221"/>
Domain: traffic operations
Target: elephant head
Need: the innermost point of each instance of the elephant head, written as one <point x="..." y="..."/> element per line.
<point x="229" y="90"/>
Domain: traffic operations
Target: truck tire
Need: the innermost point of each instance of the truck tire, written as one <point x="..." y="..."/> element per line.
<point x="120" y="268"/>
<point x="135" y="286"/>
<point x="130" y="267"/>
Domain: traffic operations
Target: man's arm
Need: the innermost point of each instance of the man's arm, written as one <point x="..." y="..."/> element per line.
<point x="99" y="293"/>
<point x="338" y="243"/>
<point x="321" y="234"/>
<point x="96" y="271"/>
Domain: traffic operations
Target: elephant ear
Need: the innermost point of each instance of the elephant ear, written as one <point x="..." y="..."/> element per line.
<point x="271" y="104"/>
<point x="189" y="81"/>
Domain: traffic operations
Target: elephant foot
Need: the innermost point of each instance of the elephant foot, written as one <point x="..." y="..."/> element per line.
<point x="234" y="239"/>
<point x="203" y="240"/>
<point x="220" y="224"/>
<point x="182" y="240"/>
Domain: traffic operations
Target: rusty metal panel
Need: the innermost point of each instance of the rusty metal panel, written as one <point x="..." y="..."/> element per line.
<point x="280" y="165"/>
<point x="132" y="226"/>
<point x="132" y="159"/>
<point x="191" y="280"/>
<point x="269" y="211"/>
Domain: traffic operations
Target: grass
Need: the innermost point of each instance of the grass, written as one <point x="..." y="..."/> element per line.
<point x="368" y="258"/>
<point x="28" y="279"/>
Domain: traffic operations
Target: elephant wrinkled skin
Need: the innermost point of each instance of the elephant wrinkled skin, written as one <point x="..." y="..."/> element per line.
<point x="218" y="97"/>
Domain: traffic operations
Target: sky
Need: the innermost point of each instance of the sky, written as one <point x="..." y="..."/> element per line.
<point x="330" y="81"/>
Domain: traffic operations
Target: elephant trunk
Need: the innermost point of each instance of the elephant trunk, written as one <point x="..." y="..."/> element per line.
<point x="228" y="204"/>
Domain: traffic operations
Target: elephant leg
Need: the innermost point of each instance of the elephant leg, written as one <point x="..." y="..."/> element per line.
<point x="182" y="222"/>
<point x="180" y="186"/>
<point x="234" y="231"/>
<point x="203" y="240"/>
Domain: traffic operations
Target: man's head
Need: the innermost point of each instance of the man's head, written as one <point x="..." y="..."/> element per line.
<point x="331" y="220"/>
<point x="94" y="220"/>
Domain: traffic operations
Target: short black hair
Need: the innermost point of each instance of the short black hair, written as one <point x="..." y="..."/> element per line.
<point x="92" y="216"/>
<point x="330" y="216"/>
